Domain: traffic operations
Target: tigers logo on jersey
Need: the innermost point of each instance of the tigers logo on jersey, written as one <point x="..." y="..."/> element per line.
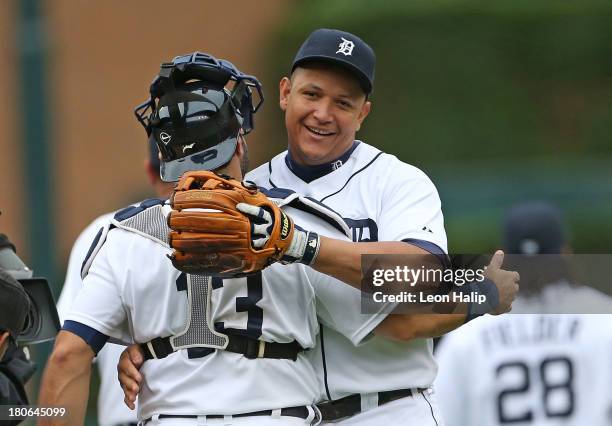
<point x="362" y="229"/>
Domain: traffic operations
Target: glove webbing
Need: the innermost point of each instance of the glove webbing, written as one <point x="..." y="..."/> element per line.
<point x="250" y="348"/>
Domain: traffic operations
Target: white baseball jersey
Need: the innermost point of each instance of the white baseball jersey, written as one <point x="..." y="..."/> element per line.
<point x="111" y="409"/>
<point x="381" y="199"/>
<point x="132" y="293"/>
<point x="529" y="369"/>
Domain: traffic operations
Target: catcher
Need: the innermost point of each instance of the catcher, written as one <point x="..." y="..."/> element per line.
<point x="132" y="293"/>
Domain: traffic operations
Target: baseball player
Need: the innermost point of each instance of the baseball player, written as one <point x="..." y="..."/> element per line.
<point x="111" y="410"/>
<point x="533" y="368"/>
<point x="391" y="205"/>
<point x="228" y="351"/>
<point x="382" y="199"/>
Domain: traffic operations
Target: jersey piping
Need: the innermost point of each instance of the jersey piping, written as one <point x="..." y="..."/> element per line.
<point x="352" y="176"/>
<point x="338" y="191"/>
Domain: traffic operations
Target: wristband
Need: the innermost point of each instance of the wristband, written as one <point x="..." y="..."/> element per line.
<point x="486" y="288"/>
<point x="304" y="248"/>
<point x="311" y="251"/>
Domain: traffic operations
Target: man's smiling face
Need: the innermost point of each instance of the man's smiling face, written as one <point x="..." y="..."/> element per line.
<point x="324" y="107"/>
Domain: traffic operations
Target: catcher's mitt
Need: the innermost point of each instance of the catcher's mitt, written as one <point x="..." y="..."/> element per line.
<point x="212" y="235"/>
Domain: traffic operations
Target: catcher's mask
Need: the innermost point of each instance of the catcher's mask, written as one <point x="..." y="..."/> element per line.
<point x="198" y="106"/>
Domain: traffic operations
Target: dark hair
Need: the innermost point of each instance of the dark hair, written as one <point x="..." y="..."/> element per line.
<point x="319" y="63"/>
<point x="322" y="63"/>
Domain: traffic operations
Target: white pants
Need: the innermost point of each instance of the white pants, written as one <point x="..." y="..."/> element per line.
<point x="418" y="410"/>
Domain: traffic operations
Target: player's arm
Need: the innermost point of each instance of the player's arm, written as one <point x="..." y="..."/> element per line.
<point x="418" y="199"/>
<point x="341" y="307"/>
<point x="342" y="260"/>
<point x="65" y="382"/>
<point x="96" y="313"/>
<point x="404" y="326"/>
<point x="273" y="237"/>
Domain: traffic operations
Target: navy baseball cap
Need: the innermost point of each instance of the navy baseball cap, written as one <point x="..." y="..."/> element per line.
<point x="534" y="228"/>
<point x="340" y="48"/>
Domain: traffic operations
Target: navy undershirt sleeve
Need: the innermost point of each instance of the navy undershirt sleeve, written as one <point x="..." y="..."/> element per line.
<point x="431" y="248"/>
<point x="92" y="337"/>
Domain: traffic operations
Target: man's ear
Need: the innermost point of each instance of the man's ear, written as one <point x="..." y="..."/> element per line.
<point x="239" y="146"/>
<point x="365" y="110"/>
<point x="152" y="174"/>
<point x="4" y="337"/>
<point x="3" y="343"/>
<point x="284" y="91"/>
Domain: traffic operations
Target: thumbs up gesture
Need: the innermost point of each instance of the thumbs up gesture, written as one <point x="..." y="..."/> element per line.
<point x="505" y="281"/>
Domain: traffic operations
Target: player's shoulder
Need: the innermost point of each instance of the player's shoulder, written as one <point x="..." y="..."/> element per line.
<point x="86" y="236"/>
<point x="134" y="224"/>
<point x="260" y="174"/>
<point x="120" y="219"/>
<point x="146" y="219"/>
<point x="590" y="301"/>
<point x="137" y="208"/>
<point x="388" y="164"/>
<point x="101" y="220"/>
<point x="564" y="297"/>
<point x="318" y="218"/>
<point x="308" y="212"/>
<point x="90" y="237"/>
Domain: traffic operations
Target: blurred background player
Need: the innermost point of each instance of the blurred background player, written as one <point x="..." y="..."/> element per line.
<point x="539" y="367"/>
<point x="111" y="409"/>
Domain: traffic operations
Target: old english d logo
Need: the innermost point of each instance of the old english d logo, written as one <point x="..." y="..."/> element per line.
<point x="345" y="47"/>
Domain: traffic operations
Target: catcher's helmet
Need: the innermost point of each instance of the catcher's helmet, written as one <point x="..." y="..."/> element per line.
<point x="198" y="106"/>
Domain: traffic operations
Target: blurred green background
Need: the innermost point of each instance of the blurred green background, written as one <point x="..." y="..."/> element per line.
<point x="496" y="101"/>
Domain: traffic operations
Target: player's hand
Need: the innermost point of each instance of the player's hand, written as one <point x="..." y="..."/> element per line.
<point x="303" y="246"/>
<point x="505" y="281"/>
<point x="226" y="228"/>
<point x="129" y="377"/>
